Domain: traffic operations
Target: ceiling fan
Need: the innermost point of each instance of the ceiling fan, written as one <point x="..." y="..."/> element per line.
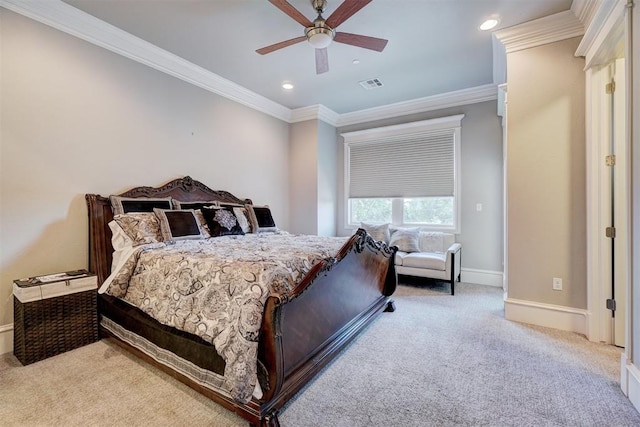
<point x="321" y="32"/>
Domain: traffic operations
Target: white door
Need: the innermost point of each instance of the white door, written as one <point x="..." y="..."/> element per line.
<point x="620" y="201"/>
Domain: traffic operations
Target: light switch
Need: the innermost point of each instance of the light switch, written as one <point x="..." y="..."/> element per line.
<point x="479" y="207"/>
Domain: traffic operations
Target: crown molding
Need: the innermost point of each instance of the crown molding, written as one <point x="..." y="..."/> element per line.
<point x="472" y="95"/>
<point x="68" y="19"/>
<point x="604" y="30"/>
<point x="585" y="10"/>
<point x="314" y="112"/>
<point x="552" y="28"/>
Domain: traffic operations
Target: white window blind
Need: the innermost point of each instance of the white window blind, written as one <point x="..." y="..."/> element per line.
<point x="409" y="165"/>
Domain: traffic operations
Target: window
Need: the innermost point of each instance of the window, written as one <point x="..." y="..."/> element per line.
<point x="405" y="174"/>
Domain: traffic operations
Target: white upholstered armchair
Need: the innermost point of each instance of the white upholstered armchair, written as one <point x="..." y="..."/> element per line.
<point x="438" y="258"/>
<point x="431" y="254"/>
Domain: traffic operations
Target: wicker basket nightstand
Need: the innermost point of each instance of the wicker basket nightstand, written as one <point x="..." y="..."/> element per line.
<point x="54" y="314"/>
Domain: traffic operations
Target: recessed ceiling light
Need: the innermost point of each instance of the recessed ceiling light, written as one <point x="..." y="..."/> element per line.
<point x="489" y="24"/>
<point x="287" y="86"/>
<point x="356" y="61"/>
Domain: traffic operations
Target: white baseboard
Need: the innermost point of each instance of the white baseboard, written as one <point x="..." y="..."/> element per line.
<point x="482" y="277"/>
<point x="6" y="338"/>
<point x="624" y="375"/>
<point x="547" y="315"/>
<point x="632" y="374"/>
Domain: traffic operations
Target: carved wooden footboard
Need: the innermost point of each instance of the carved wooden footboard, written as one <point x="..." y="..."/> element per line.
<point x="334" y="303"/>
<point x="300" y="333"/>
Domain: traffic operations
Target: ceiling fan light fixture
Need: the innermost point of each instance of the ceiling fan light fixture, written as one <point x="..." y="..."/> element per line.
<point x="319" y="37"/>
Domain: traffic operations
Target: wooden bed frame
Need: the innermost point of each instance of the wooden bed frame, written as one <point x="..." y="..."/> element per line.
<point x="300" y="334"/>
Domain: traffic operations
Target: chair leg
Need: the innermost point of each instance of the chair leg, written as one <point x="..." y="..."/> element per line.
<point x="453" y="273"/>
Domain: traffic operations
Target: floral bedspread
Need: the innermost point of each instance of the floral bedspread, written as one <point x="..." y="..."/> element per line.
<point x="216" y="289"/>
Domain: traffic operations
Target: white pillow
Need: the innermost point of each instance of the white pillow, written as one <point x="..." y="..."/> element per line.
<point x="377" y="231"/>
<point x="406" y="239"/>
<point x="432" y="241"/>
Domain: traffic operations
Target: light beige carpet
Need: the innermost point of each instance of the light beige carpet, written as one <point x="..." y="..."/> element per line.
<point x="438" y="360"/>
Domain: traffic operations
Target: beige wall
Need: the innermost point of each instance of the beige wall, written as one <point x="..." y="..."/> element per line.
<point x="635" y="209"/>
<point x="546" y="207"/>
<point x="78" y="119"/>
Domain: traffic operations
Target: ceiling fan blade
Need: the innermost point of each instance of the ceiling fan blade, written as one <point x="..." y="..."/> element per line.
<point x="345" y="11"/>
<point x="286" y="7"/>
<point x="274" y="47"/>
<point x="322" y="61"/>
<point x="366" y="42"/>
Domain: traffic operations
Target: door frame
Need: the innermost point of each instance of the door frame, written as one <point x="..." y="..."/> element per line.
<point x="598" y="207"/>
<point x="599" y="52"/>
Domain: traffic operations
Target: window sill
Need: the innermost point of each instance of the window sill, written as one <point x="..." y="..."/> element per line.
<point x="422" y="227"/>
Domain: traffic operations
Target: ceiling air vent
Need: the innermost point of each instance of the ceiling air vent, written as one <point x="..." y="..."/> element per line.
<point x="371" y="84"/>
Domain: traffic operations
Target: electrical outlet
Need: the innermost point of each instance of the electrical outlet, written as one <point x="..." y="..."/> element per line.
<point x="557" y="284"/>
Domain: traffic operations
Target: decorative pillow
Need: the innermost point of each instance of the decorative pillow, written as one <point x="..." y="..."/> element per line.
<point x="222" y="221"/>
<point x="178" y="224"/>
<point x="431" y="241"/>
<point x="141" y="228"/>
<point x="119" y="239"/>
<point x="243" y="216"/>
<point x="202" y="223"/>
<point x="261" y="218"/>
<point x="406" y="239"/>
<point x="243" y="219"/>
<point x="123" y="205"/>
<point x="177" y="204"/>
<point x="377" y="231"/>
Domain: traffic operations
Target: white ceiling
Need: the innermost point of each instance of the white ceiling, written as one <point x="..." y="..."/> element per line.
<point x="434" y="45"/>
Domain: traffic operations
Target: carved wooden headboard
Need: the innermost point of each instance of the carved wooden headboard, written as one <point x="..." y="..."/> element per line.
<point x="100" y="214"/>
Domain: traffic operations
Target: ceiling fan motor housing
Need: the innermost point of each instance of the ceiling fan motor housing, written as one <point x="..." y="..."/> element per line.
<point x="320" y="35"/>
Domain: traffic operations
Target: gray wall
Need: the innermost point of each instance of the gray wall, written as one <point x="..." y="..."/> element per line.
<point x="546" y="201"/>
<point x="79" y="119"/>
<point x="327" y="179"/>
<point x="303" y="165"/>
<point x="481" y="162"/>
<point x="313" y="163"/>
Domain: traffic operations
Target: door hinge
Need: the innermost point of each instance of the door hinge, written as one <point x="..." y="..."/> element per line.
<point x="610" y="87"/>
<point x="611" y="304"/>
<point x="610" y="232"/>
<point x="610" y="160"/>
